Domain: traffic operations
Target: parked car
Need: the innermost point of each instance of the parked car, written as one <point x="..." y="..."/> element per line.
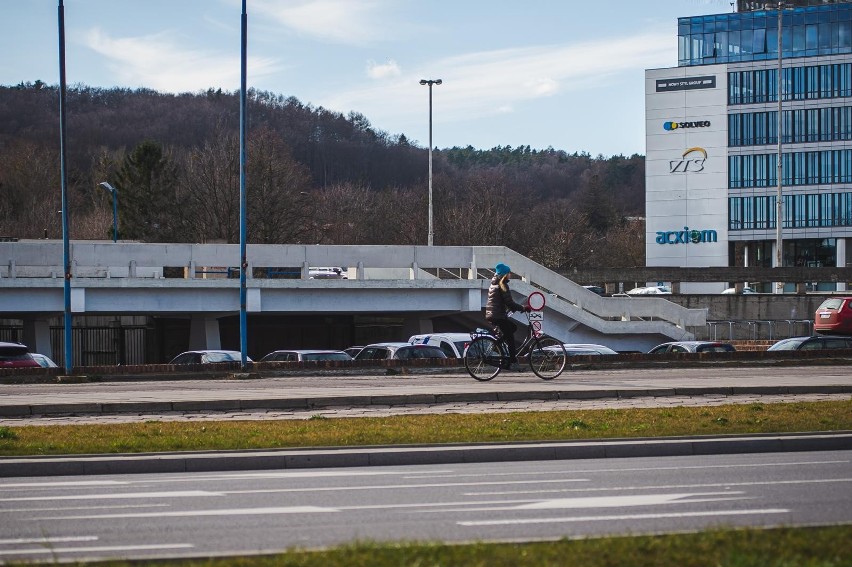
<point x="208" y="357"/>
<point x="816" y="342"/>
<point x="353" y="350"/>
<point x="304" y="355"/>
<point x="43" y="360"/>
<point x="399" y="351"/>
<point x="692" y="346"/>
<point x="733" y="291"/>
<point x="834" y="315"/>
<point x="651" y="290"/>
<point x="575" y="349"/>
<point x="16" y="355"/>
<point x="333" y="273"/>
<point x="596" y="289"/>
<point x="453" y="344"/>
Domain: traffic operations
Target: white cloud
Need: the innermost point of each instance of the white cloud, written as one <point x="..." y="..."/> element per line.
<point x="486" y="83"/>
<point x="383" y="71"/>
<point x="158" y="62"/>
<point x="339" y="21"/>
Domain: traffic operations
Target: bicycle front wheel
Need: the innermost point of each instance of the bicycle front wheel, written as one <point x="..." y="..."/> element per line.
<point x="548" y="358"/>
<point x="483" y="358"/>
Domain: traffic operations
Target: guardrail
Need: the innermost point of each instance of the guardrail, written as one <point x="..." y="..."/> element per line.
<point x="753" y="329"/>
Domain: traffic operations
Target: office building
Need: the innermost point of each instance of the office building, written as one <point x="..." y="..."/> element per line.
<point x="712" y="143"/>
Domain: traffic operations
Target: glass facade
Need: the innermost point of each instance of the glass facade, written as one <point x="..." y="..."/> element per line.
<point x="753" y="36"/>
<point x="824" y="167"/>
<point x="810" y="210"/>
<point x="810" y="82"/>
<point x="828" y="124"/>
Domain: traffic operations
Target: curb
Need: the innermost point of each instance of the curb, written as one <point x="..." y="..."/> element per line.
<point x="419" y="454"/>
<point x="110" y="408"/>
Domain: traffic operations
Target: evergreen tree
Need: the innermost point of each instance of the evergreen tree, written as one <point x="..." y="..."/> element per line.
<point x="148" y="207"/>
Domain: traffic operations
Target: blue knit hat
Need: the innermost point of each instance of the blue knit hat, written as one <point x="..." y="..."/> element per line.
<point x="502" y="269"/>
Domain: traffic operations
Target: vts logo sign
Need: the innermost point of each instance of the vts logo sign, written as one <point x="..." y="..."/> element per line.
<point x="692" y="161"/>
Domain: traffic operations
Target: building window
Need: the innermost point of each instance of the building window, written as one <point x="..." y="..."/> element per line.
<point x="800" y="211"/>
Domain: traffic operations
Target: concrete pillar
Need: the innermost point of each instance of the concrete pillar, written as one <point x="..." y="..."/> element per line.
<point x="842" y="259"/>
<point x="37" y="336"/>
<point x="416" y="326"/>
<point x="204" y="333"/>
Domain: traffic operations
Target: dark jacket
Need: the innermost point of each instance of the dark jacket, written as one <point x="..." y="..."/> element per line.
<point x="500" y="300"/>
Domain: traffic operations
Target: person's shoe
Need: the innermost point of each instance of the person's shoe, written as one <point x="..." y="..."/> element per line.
<point x="515" y="366"/>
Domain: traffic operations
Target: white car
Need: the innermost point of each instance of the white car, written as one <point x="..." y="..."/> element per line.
<point x="453" y="344"/>
<point x="574" y="349"/>
<point x="332" y="273"/>
<point x="733" y="291"/>
<point x="208" y="357"/>
<point x="651" y="290"/>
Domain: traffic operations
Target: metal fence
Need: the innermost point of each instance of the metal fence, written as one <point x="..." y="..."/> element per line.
<point x="94" y="346"/>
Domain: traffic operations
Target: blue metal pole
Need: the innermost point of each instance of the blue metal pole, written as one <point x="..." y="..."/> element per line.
<point x="243" y="258"/>
<point x="66" y="248"/>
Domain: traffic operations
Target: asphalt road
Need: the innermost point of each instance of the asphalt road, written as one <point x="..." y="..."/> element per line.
<point x="240" y="513"/>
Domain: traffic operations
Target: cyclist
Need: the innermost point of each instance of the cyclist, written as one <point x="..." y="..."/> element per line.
<point x="499" y="304"/>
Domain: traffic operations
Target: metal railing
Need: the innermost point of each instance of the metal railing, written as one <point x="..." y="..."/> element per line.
<point x="754" y="329"/>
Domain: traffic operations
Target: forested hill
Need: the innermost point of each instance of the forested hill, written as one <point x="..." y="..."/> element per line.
<point x="177" y="151"/>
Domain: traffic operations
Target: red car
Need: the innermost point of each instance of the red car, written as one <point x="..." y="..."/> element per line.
<point x="834" y="315"/>
<point x="16" y="355"/>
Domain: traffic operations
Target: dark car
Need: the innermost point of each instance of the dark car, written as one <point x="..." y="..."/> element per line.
<point x="16" y="355"/>
<point x="816" y="342"/>
<point x="305" y="355"/>
<point x="692" y="346"/>
<point x="595" y="289"/>
<point x="399" y="351"/>
<point x="834" y="315"/>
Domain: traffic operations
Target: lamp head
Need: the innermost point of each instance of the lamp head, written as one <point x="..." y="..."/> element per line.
<point x="438" y="82"/>
<point x="108" y="187"/>
<point x="424" y="82"/>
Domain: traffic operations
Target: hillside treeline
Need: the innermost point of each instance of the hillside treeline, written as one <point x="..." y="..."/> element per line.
<point x="312" y="176"/>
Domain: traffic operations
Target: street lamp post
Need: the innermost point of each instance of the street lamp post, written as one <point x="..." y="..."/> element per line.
<point x="114" y="192"/>
<point x="430" y="82"/>
<point x="779" y="167"/>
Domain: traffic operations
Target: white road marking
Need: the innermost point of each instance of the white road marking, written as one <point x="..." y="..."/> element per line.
<point x="634" y="500"/>
<point x="176" y="494"/>
<point x="397" y="486"/>
<point x="57" y="539"/>
<point x="622" y="517"/>
<point x="194" y="513"/>
<point x="74" y="483"/>
<point x="587" y="472"/>
<point x="69" y="508"/>
<point x="659" y="487"/>
<point x="274" y="475"/>
<point x="107" y="548"/>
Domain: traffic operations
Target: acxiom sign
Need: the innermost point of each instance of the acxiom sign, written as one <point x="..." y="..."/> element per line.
<point x="686" y="236"/>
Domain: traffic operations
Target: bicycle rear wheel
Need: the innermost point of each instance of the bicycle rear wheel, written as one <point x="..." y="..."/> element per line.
<point x="483" y="358"/>
<point x="548" y="358"/>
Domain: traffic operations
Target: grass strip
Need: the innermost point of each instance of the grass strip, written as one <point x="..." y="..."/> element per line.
<point x="157" y="436"/>
<point x="782" y="547"/>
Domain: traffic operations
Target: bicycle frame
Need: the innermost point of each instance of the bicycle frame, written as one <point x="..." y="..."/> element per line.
<point x="522" y="349"/>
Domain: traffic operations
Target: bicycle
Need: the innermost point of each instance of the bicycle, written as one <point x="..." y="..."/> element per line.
<point x="487" y="353"/>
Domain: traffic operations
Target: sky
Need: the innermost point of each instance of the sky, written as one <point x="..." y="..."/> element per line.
<point x="566" y="74"/>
